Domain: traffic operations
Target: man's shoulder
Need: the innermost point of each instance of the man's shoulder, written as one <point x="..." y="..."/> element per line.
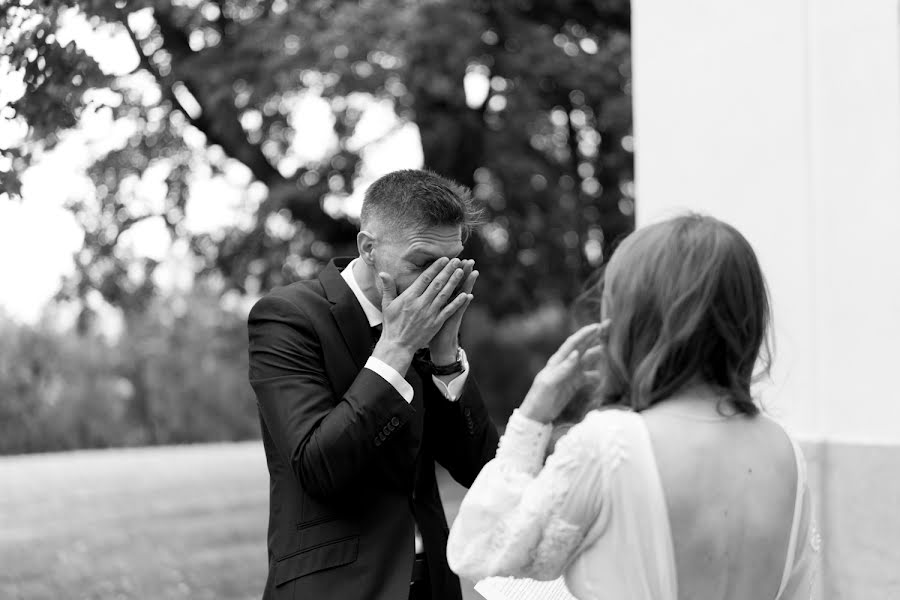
<point x="300" y="291"/>
<point x="307" y="296"/>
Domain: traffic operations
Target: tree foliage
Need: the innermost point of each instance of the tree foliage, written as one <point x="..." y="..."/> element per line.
<point x="546" y="146"/>
<point x="177" y="375"/>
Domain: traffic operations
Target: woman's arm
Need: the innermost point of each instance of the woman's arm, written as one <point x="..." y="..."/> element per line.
<point x="522" y="520"/>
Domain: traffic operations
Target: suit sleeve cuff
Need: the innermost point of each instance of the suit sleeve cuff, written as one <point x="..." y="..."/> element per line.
<point x="390" y="375"/>
<point x="452" y="389"/>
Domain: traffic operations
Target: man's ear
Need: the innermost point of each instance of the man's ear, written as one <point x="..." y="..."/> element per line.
<point x="365" y="243"/>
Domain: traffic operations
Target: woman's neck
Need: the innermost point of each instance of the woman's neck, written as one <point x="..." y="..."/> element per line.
<point x="697" y="397"/>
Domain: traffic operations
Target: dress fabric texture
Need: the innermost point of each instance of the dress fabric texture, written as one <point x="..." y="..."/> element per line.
<point x="595" y="513"/>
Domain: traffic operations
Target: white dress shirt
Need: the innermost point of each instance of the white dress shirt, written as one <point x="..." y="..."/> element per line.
<point x="450" y="390"/>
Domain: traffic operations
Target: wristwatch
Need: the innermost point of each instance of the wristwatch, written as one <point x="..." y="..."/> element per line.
<point x="457" y="366"/>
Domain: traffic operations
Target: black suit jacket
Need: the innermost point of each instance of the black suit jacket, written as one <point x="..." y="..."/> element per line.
<point x="351" y="463"/>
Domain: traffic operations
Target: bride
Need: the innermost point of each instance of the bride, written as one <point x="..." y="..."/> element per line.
<point x="675" y="486"/>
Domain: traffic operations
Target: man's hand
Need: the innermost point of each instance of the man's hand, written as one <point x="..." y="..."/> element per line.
<point x="413" y="318"/>
<point x="444" y="344"/>
<point x="578" y="362"/>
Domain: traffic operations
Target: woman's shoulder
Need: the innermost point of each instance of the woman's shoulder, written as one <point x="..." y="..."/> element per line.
<point x="602" y="431"/>
<point x="611" y="419"/>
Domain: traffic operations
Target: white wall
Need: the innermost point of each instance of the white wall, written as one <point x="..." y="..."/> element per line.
<point x="783" y="118"/>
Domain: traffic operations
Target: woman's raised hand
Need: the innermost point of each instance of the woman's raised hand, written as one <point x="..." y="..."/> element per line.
<point x="578" y="362"/>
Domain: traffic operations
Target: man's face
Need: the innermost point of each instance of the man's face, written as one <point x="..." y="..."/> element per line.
<point x="404" y="255"/>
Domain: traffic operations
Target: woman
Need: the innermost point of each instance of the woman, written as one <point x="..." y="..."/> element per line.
<point x="677" y="486"/>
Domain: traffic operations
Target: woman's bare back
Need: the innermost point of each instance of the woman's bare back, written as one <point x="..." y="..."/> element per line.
<point x="730" y="486"/>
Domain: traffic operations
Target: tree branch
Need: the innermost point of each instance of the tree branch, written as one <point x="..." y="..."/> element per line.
<point x="163" y="82"/>
<point x="225" y="129"/>
<point x="220" y="122"/>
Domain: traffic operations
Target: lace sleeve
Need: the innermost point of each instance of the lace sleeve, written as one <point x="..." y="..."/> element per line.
<point x="522" y="520"/>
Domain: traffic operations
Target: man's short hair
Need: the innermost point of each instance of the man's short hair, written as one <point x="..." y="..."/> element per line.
<point x="415" y="198"/>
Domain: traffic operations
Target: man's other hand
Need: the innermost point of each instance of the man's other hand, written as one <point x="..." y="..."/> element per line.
<point x="413" y="318"/>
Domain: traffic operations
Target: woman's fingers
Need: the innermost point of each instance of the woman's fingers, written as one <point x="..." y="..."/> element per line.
<point x="580" y="341"/>
<point x="604" y="328"/>
<point x="594" y="346"/>
<point x="556" y="372"/>
<point x="592" y="355"/>
<point x="590" y="365"/>
<point x="571" y="361"/>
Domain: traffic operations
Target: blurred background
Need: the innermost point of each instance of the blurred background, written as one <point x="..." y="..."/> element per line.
<point x="164" y="163"/>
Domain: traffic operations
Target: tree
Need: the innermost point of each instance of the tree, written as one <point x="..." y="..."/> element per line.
<point x="546" y="143"/>
<point x="179" y="375"/>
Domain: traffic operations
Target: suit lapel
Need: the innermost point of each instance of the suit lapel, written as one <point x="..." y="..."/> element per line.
<point x="417" y="423"/>
<point x="348" y="314"/>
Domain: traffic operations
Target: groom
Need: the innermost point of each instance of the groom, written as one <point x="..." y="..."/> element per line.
<point x="354" y="415"/>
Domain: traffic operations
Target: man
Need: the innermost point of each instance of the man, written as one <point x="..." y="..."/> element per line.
<point x="353" y="420"/>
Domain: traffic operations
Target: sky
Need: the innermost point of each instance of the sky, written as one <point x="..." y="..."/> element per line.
<point x="38" y="236"/>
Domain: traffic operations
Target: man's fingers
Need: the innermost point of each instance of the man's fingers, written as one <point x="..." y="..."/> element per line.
<point x="467" y="266"/>
<point x="450" y="286"/>
<point x="425" y="279"/>
<point x="388" y="289"/>
<point x="469" y="283"/>
<point x="458" y="304"/>
<point x="440" y="279"/>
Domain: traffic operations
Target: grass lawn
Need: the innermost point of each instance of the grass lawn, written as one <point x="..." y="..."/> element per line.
<point x="146" y="523"/>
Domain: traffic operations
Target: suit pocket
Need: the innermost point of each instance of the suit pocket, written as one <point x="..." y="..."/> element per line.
<point x="316" y="558"/>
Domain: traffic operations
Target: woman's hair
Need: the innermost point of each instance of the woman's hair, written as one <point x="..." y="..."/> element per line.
<point x="687" y="302"/>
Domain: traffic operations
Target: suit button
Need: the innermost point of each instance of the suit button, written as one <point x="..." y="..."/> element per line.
<point x="386" y="431"/>
<point x="395" y="421"/>
<point x="377" y="442"/>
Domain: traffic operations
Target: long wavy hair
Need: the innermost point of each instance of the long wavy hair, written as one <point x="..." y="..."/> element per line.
<point x="687" y="302"/>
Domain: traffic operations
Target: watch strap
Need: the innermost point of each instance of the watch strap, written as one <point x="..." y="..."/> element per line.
<point x="457" y="366"/>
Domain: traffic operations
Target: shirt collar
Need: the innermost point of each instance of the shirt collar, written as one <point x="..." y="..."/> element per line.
<point x="373" y="313"/>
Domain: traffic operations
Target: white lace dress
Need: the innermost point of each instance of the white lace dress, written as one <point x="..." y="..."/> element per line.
<point x="595" y="513"/>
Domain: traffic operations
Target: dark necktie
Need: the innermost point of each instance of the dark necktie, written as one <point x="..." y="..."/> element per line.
<point x="376" y="335"/>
